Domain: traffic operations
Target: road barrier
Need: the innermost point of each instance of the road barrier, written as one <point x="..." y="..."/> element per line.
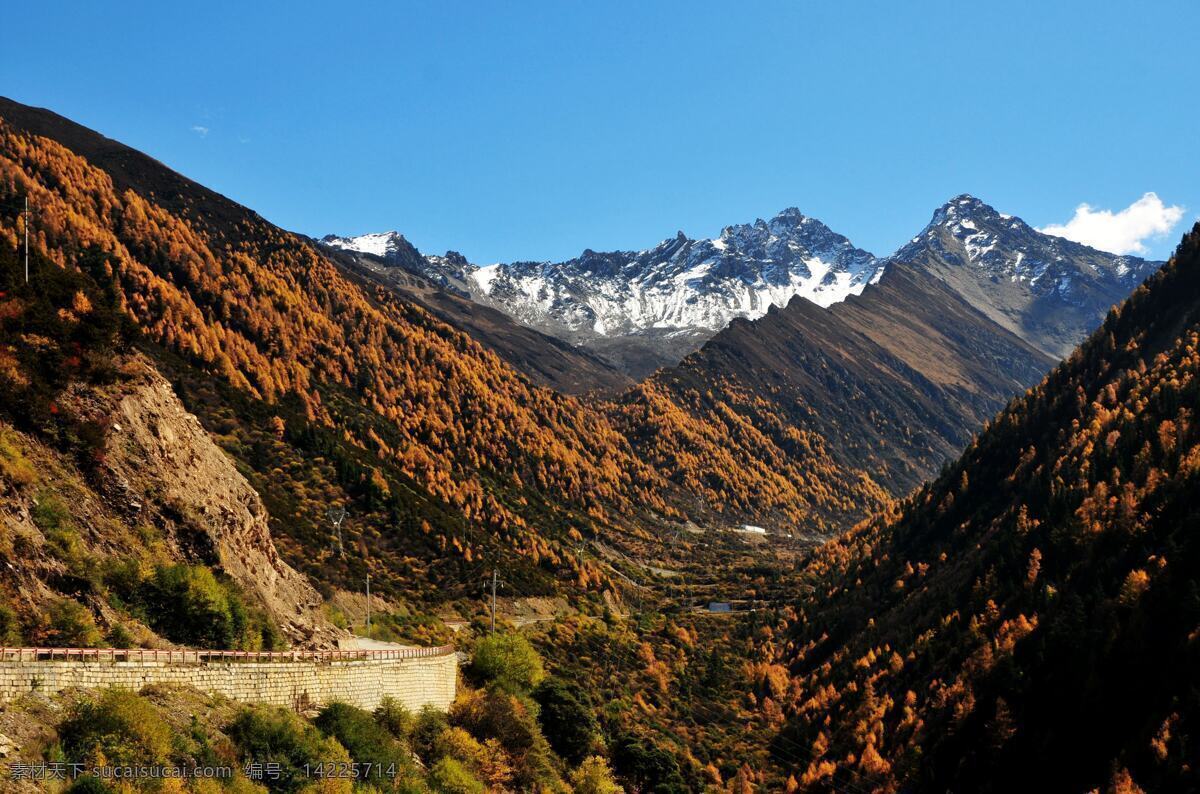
<point x="186" y="655"/>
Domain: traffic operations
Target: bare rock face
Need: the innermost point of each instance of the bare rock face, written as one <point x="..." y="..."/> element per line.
<point x="1048" y="290"/>
<point x="160" y="453"/>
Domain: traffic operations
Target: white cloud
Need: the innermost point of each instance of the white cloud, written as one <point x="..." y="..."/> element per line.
<point x="1121" y="232"/>
<point x="201" y="131"/>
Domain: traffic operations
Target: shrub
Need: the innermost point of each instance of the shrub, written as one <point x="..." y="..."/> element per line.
<point x="486" y="761"/>
<point x="335" y="615"/>
<point x="393" y="717"/>
<point x="72" y="625"/>
<point x="120" y="726"/>
<point x="14" y="466"/>
<point x="594" y="777"/>
<point x="264" y="733"/>
<point x="509" y="721"/>
<point x="429" y="725"/>
<point x="500" y="715"/>
<point x="452" y="777"/>
<point x="357" y="731"/>
<point x="508" y="660"/>
<point x="124" y="579"/>
<point x="567" y="720"/>
<point x="237" y="785"/>
<point x="409" y="629"/>
<point x="51" y="514"/>
<point x="10" y="624"/>
<point x="461" y="746"/>
<point x="411" y="780"/>
<point x="90" y="785"/>
<point x="120" y="637"/>
<point x="189" y="605"/>
<point x="646" y="767"/>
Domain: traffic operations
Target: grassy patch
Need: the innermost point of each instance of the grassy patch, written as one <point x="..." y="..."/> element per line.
<point x="14" y="466"/>
<point x="409" y="629"/>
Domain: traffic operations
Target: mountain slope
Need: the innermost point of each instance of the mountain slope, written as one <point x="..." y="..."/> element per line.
<point x="328" y="388"/>
<point x="1050" y="291"/>
<point x="890" y="384"/>
<point x="1029" y="620"/>
<point x="108" y="482"/>
<point x="300" y="368"/>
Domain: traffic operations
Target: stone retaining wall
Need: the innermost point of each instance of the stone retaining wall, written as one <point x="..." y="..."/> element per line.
<point x="415" y="682"/>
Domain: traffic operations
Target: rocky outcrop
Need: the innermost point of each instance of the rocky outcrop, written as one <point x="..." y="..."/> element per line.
<point x="160" y="460"/>
<point x="159" y="467"/>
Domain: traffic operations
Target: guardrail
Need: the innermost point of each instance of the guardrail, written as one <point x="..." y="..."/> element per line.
<point x="184" y="656"/>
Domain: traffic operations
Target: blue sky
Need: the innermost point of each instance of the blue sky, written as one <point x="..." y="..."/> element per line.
<point x="532" y="130"/>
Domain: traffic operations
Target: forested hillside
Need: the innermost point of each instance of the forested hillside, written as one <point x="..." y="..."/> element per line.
<point x="330" y="389"/>
<point x="1031" y="619"/>
<point x="326" y="389"/>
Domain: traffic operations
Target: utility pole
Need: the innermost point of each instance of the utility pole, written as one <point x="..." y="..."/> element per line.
<point x="27" y="239"/>
<point x="368" y="606"/>
<point x="337" y="515"/>
<point x="494" y="581"/>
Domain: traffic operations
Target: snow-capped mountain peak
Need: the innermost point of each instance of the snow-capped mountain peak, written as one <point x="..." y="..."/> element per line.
<point x="675" y="294"/>
<point x="378" y="244"/>
<point x="681" y="283"/>
<point x="391" y="247"/>
<point x="1004" y="246"/>
<point x="1047" y="289"/>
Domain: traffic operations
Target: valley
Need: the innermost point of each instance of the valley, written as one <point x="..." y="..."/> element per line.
<point x="762" y="511"/>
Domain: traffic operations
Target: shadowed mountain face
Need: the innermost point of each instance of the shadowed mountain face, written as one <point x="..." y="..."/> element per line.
<point x="1050" y="291"/>
<point x="895" y="381"/>
<point x="1030" y="619"/>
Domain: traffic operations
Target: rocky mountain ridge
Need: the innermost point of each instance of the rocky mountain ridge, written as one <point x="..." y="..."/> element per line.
<point x="664" y="300"/>
<point x="1048" y="290"/>
<point x="644" y="309"/>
